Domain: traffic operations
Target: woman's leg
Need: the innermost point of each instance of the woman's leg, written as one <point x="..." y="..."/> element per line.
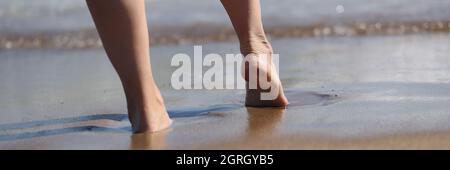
<point x="122" y="26"/>
<point x="245" y="16"/>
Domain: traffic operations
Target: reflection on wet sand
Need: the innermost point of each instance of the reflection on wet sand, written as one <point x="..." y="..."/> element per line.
<point x="154" y="141"/>
<point x="262" y="124"/>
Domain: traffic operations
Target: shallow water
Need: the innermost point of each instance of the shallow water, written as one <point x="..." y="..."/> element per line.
<point x="297" y="97"/>
<point x="67" y="24"/>
<point x="63" y="15"/>
<point x="346" y="88"/>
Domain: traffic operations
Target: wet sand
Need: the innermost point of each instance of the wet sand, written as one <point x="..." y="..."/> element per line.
<point x="372" y="92"/>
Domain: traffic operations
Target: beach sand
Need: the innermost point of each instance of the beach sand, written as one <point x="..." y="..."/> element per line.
<point x="360" y="92"/>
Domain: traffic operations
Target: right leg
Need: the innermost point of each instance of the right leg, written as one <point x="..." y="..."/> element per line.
<point x="246" y="18"/>
<point x="122" y="26"/>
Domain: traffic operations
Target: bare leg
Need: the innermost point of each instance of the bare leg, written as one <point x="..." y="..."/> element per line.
<point x="246" y="18"/>
<point x="122" y="26"/>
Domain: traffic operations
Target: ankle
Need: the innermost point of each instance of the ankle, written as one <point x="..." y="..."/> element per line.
<point x="149" y="118"/>
<point x="255" y="44"/>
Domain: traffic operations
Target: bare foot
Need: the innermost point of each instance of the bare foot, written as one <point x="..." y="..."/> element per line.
<point x="152" y="117"/>
<point x="263" y="65"/>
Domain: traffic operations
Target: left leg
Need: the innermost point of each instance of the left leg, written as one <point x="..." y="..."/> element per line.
<point x="122" y="26"/>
